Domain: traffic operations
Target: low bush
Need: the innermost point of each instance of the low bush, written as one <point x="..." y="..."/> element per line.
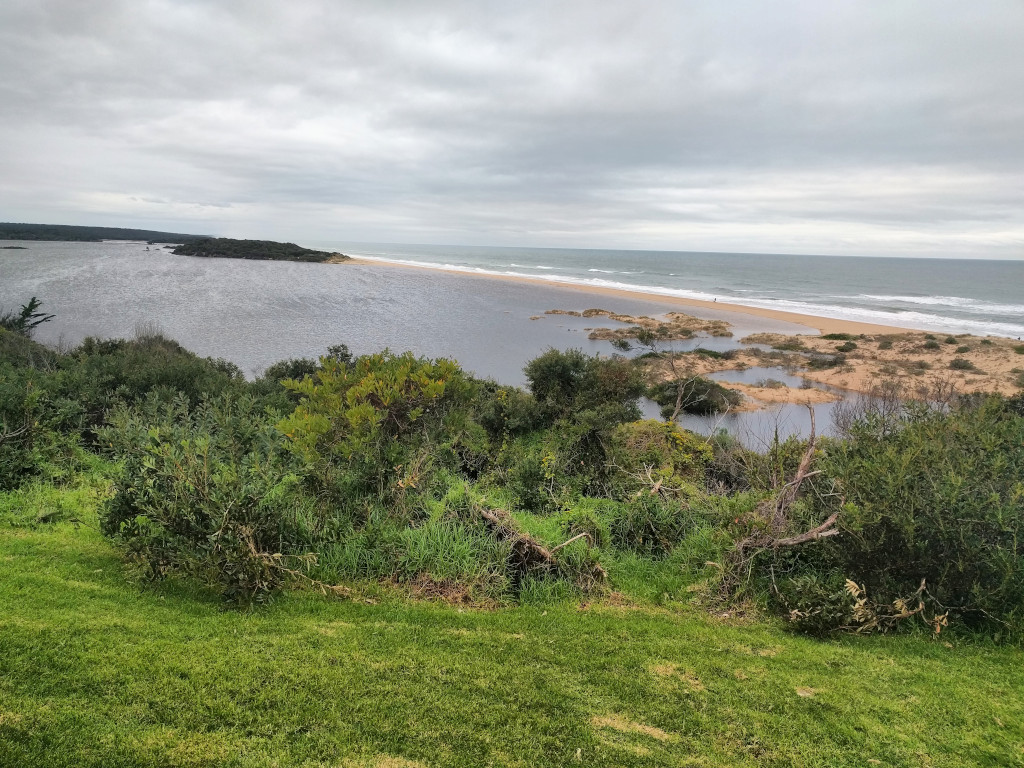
<point x="648" y="455"/>
<point x="208" y="490"/>
<point x="847" y="347"/>
<point x="696" y="395"/>
<point x="649" y="524"/>
<point x="931" y="522"/>
<point x="961" y="364"/>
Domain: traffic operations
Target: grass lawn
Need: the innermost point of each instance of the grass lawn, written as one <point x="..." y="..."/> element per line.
<point x="98" y="671"/>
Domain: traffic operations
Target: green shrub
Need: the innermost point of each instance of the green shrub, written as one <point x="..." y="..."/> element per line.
<point x="567" y="383"/>
<point x="649" y="524"/>
<point x="961" y="364"/>
<point x="885" y="344"/>
<point x="587" y="521"/>
<point x="1019" y="349"/>
<point x="962" y="350"/>
<point x="839" y="336"/>
<point x="380" y="425"/>
<point x="931" y="345"/>
<point x="26" y="320"/>
<point x="209" y="491"/>
<point x="694" y="395"/>
<point x="789" y="345"/>
<point x="931" y="496"/>
<point x="655" y="454"/>
<point x="847" y="347"/>
<point x="823" y="362"/>
<point x="729" y="354"/>
<point x="507" y="412"/>
<point x="950" y="340"/>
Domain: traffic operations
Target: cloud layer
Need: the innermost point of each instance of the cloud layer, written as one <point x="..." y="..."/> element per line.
<point x="839" y="127"/>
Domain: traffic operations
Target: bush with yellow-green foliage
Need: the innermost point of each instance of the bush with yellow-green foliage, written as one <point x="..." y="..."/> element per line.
<point x="658" y="454"/>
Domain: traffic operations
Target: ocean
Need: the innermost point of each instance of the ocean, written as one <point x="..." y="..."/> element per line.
<point x="983" y="297"/>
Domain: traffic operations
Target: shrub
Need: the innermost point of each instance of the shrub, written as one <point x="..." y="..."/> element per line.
<point x="932" y="496"/>
<point x="587" y="521"/>
<point x="694" y="395"/>
<point x="847" y="347"/>
<point x="961" y="364"/>
<point x="789" y="345"/>
<point x="822" y="362"/>
<point x="950" y="340"/>
<point x="839" y="336"/>
<point x="1019" y="349"/>
<point x="507" y="412"/>
<point x="655" y="454"/>
<point x="931" y="345"/>
<point x="567" y="383"/>
<point x="26" y="320"/>
<point x="885" y="344"/>
<point x="729" y="354"/>
<point x="31" y="440"/>
<point x="208" y="491"/>
<point x="379" y="425"/>
<point x="962" y="350"/>
<point x="649" y="524"/>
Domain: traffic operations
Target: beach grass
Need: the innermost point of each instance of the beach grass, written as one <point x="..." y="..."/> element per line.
<point x="99" y="670"/>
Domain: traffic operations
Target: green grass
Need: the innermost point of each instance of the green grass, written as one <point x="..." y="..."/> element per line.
<point x="96" y="670"/>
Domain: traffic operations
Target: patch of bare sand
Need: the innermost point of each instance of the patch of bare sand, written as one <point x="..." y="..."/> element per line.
<point x="755" y="398"/>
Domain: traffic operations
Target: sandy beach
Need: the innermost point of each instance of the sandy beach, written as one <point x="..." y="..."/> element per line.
<point x="810" y="322"/>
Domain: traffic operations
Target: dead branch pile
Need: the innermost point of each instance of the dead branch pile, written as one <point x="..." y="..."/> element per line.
<point x="774" y="513"/>
<point x="529" y="556"/>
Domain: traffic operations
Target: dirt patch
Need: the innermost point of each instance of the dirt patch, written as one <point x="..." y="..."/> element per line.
<point x="623" y="724"/>
<point x="383" y="761"/>
<point x="673" y="672"/>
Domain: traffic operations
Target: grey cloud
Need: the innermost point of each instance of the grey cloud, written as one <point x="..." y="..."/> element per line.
<point x="661" y="124"/>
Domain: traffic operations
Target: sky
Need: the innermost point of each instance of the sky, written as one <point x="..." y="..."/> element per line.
<point x="841" y="127"/>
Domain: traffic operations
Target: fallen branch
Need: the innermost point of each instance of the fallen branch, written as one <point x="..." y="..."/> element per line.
<point x="528" y="554"/>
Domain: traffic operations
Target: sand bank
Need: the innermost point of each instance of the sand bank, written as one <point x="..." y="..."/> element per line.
<point x="811" y="322"/>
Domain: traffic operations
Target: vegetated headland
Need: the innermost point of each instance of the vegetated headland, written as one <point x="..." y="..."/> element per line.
<point x="429" y="568"/>
<point x="70" y="233"/>
<point x="230" y="248"/>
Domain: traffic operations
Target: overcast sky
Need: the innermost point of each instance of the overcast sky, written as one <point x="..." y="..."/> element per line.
<point x="810" y="127"/>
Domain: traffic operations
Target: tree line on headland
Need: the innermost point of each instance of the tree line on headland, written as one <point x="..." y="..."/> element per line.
<point x="71" y="233"/>
<point x="400" y="469"/>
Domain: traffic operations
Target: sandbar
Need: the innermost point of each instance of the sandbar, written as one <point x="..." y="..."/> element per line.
<point x="811" y="322"/>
